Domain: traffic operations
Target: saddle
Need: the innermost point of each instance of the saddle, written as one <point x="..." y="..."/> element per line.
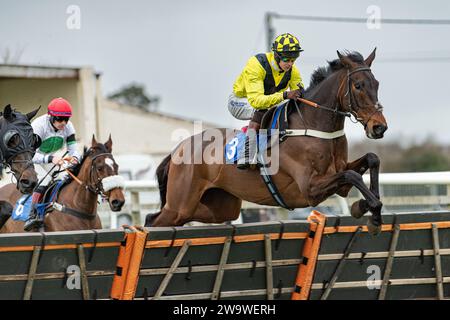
<point x="277" y="115"/>
<point x="23" y="206"/>
<point x="275" y="118"/>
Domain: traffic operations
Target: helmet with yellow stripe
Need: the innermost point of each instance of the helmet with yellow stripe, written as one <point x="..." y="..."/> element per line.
<point x="287" y="45"/>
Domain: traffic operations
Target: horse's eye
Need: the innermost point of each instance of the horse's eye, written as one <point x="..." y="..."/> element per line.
<point x="357" y="86"/>
<point x="12" y="141"/>
<point x="100" y="168"/>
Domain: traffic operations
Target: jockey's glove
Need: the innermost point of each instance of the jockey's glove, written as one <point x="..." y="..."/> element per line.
<point x="292" y="94"/>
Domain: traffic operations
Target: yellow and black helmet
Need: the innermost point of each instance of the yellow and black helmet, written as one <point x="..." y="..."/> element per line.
<point x="286" y="44"/>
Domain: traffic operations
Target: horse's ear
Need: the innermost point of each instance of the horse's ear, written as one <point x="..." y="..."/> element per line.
<point x="7" y="113"/>
<point x="346" y="62"/>
<point x="108" y="144"/>
<point x="370" y="58"/>
<point x="94" y="142"/>
<point x="31" y="114"/>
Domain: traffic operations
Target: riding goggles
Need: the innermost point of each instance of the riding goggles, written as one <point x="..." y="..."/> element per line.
<point x="286" y="57"/>
<point x="61" y="119"/>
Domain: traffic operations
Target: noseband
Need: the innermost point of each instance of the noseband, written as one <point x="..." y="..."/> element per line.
<point x="96" y="181"/>
<point x="349" y="93"/>
<point x="9" y="162"/>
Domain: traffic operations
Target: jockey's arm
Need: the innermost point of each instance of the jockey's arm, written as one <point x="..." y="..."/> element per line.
<point x="72" y="147"/>
<point x="40" y="157"/>
<point x="295" y="79"/>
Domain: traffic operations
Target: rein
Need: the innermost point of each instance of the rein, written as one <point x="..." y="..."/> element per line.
<point x="74" y="177"/>
<point x="97" y="189"/>
<point x="318" y="106"/>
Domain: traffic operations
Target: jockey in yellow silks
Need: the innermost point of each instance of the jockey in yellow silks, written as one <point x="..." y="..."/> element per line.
<point x="264" y="83"/>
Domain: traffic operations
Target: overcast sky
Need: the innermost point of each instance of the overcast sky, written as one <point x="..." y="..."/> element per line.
<point x="190" y="52"/>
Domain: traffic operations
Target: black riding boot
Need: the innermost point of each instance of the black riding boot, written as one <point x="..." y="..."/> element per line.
<point x="243" y="159"/>
<point x="247" y="155"/>
<point x="34" y="221"/>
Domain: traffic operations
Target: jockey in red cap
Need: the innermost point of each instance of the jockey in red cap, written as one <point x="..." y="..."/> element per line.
<point x="55" y="131"/>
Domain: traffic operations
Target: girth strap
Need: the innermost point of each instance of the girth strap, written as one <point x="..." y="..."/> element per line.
<point x="73" y="212"/>
<point x="313" y="133"/>
<point x="267" y="178"/>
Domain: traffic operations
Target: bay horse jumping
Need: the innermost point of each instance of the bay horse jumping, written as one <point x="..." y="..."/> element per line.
<point x="96" y="174"/>
<point x="311" y="168"/>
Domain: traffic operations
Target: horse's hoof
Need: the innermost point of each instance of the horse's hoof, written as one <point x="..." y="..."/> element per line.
<point x="373" y="229"/>
<point x="359" y="208"/>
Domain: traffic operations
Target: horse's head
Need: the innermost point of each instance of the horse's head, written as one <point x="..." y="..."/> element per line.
<point x="18" y="143"/>
<point x="358" y="94"/>
<point x="103" y="174"/>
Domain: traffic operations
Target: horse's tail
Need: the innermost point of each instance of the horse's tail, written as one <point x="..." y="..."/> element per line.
<point x="162" y="173"/>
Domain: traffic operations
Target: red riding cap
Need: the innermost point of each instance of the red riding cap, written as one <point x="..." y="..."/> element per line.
<point x="60" y="107"/>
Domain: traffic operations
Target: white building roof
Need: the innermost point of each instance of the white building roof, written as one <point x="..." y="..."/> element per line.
<point x="40" y="72"/>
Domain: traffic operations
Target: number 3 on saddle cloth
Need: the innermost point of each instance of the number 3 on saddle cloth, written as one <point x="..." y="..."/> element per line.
<point x="22" y="209"/>
<point x="234" y="147"/>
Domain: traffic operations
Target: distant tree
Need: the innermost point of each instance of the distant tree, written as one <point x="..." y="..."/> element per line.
<point x="10" y="56"/>
<point x="415" y="157"/>
<point x="425" y="158"/>
<point x="135" y="95"/>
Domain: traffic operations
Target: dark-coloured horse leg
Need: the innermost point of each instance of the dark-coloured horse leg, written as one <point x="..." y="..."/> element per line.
<point x="369" y="161"/>
<point x="326" y="186"/>
<point x="5" y="212"/>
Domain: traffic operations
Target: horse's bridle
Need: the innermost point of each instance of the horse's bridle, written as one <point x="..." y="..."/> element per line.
<point x="9" y="162"/>
<point x="352" y="111"/>
<point x="95" y="184"/>
<point x="378" y="107"/>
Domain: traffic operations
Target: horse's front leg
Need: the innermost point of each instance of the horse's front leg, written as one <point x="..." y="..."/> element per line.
<point x="369" y="161"/>
<point x="323" y="187"/>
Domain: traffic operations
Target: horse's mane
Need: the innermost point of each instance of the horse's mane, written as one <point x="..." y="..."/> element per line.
<point x="99" y="148"/>
<point x="322" y="73"/>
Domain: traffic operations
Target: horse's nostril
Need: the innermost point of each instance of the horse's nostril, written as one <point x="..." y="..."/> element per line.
<point x="379" y="129"/>
<point x="26" y="183"/>
<point x="116" y="203"/>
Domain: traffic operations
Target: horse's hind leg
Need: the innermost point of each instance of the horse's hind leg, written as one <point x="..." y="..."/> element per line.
<point x="218" y="206"/>
<point x="166" y="218"/>
<point x="183" y="197"/>
<point x="215" y="206"/>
